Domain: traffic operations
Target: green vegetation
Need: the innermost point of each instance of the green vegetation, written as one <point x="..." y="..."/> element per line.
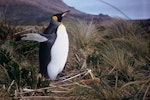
<point x="119" y="55"/>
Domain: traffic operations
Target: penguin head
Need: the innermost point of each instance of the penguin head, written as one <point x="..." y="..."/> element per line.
<point x="58" y="17"/>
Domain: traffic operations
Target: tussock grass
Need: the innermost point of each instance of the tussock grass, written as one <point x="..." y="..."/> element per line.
<point x="82" y="33"/>
<point x="123" y="55"/>
<point x="116" y="57"/>
<point x="119" y="28"/>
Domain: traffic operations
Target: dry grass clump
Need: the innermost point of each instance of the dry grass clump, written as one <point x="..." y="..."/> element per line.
<point x="124" y="59"/>
<point x="83" y="37"/>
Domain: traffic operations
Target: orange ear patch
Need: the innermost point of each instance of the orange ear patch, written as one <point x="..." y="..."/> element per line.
<point x="55" y="18"/>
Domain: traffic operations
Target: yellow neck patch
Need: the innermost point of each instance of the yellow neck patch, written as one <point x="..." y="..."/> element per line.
<point x="55" y="18"/>
<point x="61" y="26"/>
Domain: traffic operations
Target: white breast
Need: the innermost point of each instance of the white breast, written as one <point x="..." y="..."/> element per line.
<point x="59" y="53"/>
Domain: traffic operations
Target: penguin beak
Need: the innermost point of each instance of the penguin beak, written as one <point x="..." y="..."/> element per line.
<point x="65" y="13"/>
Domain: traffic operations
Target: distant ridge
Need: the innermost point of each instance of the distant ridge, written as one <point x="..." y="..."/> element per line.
<point x="31" y="12"/>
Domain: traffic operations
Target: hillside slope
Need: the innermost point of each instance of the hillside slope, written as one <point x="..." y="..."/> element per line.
<point x="24" y="12"/>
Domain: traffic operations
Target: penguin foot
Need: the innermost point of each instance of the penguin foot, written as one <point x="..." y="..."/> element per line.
<point x="39" y="76"/>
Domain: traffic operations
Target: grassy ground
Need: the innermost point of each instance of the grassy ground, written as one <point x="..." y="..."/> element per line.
<point x="117" y="53"/>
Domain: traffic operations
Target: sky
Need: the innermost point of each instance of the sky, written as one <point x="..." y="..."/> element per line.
<point x="134" y="9"/>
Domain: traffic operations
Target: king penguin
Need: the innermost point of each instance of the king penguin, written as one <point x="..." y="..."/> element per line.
<point x="54" y="46"/>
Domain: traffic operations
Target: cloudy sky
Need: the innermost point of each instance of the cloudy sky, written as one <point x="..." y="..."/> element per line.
<point x="134" y="9"/>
